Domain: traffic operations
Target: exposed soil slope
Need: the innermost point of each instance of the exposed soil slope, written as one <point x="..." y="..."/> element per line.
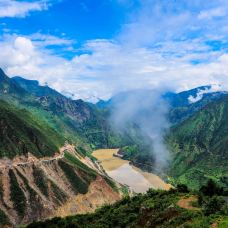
<point x="32" y="189"/>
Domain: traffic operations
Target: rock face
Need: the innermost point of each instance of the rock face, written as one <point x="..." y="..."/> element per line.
<point x="66" y="184"/>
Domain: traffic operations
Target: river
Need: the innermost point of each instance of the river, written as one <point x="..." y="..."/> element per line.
<point x="121" y="171"/>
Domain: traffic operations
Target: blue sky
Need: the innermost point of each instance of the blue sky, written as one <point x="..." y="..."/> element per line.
<point x="94" y="48"/>
<point x="79" y="20"/>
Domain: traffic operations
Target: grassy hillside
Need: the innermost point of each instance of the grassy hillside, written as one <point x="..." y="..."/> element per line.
<point x="21" y="133"/>
<point x="200" y="146"/>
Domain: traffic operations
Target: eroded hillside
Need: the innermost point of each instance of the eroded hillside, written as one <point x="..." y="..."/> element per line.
<point x="32" y="189"/>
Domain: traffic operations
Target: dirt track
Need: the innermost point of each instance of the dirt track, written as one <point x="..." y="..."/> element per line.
<point x="22" y="160"/>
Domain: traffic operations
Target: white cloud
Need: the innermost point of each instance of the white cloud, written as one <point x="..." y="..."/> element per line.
<point x="162" y="45"/>
<point x="216" y="12"/>
<point x="49" y="40"/>
<point x="162" y="21"/>
<point x="13" y="8"/>
<point x="108" y="68"/>
<point x="201" y="92"/>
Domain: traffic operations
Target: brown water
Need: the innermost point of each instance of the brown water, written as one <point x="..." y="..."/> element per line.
<point x="121" y="171"/>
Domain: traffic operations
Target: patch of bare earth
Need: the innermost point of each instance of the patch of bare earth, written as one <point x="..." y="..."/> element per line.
<point x="186" y="203"/>
<point x="214" y="225"/>
<point x="99" y="193"/>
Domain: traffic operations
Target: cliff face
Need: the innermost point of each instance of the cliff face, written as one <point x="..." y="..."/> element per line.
<point x="34" y="189"/>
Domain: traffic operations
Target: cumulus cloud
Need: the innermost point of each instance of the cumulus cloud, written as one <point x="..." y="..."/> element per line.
<point x="13" y="8"/>
<point x="106" y="67"/>
<point x="162" y="44"/>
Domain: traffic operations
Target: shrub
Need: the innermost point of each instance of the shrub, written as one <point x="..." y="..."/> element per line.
<point x="3" y="218"/>
<point x="16" y="194"/>
<point x="213" y="205"/>
<point x="40" y="180"/>
<point x="182" y="188"/>
<point x="76" y="182"/>
<point x="211" y="189"/>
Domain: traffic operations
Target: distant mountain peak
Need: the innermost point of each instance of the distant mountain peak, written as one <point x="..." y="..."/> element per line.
<point x="2" y="74"/>
<point x="201" y="91"/>
<point x="23" y="80"/>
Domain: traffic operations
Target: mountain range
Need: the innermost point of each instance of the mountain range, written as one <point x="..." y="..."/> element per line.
<point x="45" y="163"/>
<point x="47" y="140"/>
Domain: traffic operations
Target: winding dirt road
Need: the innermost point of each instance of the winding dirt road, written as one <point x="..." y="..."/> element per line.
<point x="31" y="159"/>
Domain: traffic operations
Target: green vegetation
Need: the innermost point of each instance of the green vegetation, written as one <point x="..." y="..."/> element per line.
<point x="33" y="199"/>
<point x="199" y="146"/>
<point x="78" y="121"/>
<point x="76" y="181"/>
<point x="156" y="208"/>
<point x="77" y="163"/>
<point x="223" y="223"/>
<point x="60" y="196"/>
<point x="21" y="133"/>
<point x="111" y="183"/>
<point x="140" y="155"/>
<point x="4" y="220"/>
<point x="90" y="173"/>
<point x="33" y="117"/>
<point x="17" y="195"/>
<point x="125" y="191"/>
<point x="40" y="180"/>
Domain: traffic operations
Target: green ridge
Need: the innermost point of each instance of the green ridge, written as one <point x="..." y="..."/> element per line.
<point x="200" y="146"/>
<point x="21" y="133"/>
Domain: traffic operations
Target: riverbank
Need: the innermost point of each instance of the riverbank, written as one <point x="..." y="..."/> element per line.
<point x="123" y="172"/>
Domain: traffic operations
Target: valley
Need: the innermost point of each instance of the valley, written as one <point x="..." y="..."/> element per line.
<point x="113" y="114"/>
<point x="55" y="159"/>
<point x="125" y="173"/>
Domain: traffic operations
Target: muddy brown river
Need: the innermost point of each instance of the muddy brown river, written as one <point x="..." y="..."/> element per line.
<point x="121" y="171"/>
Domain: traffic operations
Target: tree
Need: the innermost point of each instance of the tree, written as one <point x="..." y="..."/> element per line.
<point x="213" y="205"/>
<point x="211" y="189"/>
<point x="182" y="188"/>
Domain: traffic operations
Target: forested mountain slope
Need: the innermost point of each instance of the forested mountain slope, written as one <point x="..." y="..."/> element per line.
<point x="78" y="121"/>
<point x="200" y="145"/>
<point x="197" y="140"/>
<point x="9" y="87"/>
<point x="21" y="133"/>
